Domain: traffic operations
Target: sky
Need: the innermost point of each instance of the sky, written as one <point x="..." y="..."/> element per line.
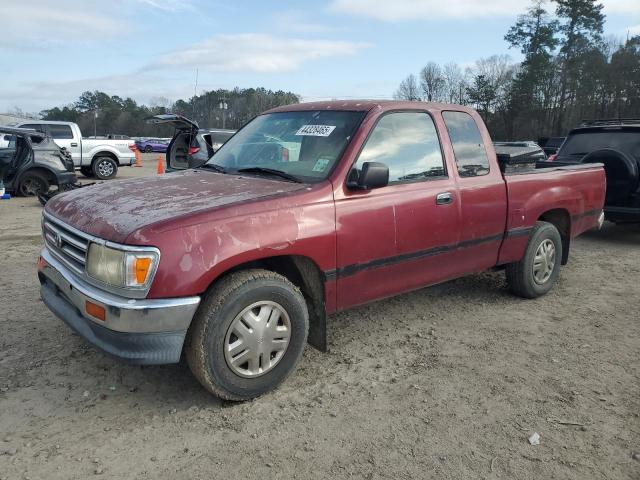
<point x="150" y="49"/>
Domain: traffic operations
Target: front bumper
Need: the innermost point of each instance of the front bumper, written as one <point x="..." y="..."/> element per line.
<point x="136" y="331"/>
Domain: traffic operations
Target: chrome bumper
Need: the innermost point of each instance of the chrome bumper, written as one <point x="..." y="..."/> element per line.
<point x="147" y="331"/>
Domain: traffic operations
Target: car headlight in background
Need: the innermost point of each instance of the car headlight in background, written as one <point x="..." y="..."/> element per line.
<point x="121" y="268"/>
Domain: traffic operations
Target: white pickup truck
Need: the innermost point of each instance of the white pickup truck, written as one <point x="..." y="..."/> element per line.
<point x="94" y="157"/>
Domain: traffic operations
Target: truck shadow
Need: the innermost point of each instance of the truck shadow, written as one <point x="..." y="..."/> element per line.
<point x="612" y="233"/>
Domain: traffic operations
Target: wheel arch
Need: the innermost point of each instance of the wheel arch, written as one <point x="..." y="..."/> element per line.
<point x="105" y="153"/>
<point x="305" y="274"/>
<point x="48" y="173"/>
<point x="561" y="219"/>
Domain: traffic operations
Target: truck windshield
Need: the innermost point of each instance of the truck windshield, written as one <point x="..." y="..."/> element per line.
<point x="304" y="145"/>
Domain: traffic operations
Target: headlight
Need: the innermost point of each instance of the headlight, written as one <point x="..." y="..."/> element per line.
<point x="121" y="268"/>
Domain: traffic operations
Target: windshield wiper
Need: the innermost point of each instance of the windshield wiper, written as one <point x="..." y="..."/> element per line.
<point x="213" y="166"/>
<point x="270" y="171"/>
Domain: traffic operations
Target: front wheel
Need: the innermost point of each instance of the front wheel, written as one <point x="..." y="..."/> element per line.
<point x="105" y="168"/>
<point x="248" y="334"/>
<point x="538" y="271"/>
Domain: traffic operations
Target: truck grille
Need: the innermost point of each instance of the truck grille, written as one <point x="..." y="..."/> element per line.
<point x="68" y="245"/>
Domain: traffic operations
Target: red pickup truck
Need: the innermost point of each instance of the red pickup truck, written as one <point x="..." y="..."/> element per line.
<point x="307" y="210"/>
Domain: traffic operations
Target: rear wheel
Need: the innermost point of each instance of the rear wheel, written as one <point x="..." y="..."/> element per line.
<point x="105" y="168"/>
<point x="248" y="335"/>
<point x="539" y="269"/>
<point x="32" y="184"/>
<point x="148" y="149"/>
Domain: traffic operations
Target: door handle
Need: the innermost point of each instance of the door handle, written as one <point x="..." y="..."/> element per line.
<point x="444" y="198"/>
<point x="74" y="144"/>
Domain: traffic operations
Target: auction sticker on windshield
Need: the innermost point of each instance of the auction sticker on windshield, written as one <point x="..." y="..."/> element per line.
<point x="316" y="130"/>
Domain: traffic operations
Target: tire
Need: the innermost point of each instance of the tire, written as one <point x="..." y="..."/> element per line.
<point x="218" y="319"/>
<point x="32" y="184"/>
<point x="521" y="276"/>
<point x="148" y="149"/>
<point x="87" y="171"/>
<point x="105" y="168"/>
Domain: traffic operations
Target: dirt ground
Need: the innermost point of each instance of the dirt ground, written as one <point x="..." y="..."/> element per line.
<point x="446" y="382"/>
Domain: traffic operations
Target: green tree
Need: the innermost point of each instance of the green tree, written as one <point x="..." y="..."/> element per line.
<point x="482" y="94"/>
<point x="582" y="24"/>
<point x="535" y="34"/>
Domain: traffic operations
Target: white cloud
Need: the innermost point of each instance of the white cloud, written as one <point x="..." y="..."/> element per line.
<point x="45" y="23"/>
<point x="39" y="23"/>
<point x="254" y="52"/>
<point x="621" y="7"/>
<point x="401" y="10"/>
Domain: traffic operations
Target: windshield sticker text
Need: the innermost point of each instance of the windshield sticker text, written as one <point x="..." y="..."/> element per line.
<point x="316" y="130"/>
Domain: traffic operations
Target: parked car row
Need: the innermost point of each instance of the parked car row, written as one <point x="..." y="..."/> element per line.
<point x="93" y="157"/>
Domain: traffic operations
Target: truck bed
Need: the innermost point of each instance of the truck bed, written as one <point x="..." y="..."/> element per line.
<point x="575" y="191"/>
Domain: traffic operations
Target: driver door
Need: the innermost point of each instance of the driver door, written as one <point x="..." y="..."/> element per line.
<point x="402" y="236"/>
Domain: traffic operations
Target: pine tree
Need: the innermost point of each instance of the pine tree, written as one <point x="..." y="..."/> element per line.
<point x="582" y="26"/>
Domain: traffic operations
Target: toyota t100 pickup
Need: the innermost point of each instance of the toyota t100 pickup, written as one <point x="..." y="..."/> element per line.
<point x="307" y="210"/>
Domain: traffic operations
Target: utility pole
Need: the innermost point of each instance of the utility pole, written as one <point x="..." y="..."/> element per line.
<point x="223" y="105"/>
<point x="95" y="116"/>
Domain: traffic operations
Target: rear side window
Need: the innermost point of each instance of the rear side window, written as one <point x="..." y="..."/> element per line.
<point x="468" y="146"/>
<point x="60" y="131"/>
<point x="407" y="143"/>
<point x="220" y="137"/>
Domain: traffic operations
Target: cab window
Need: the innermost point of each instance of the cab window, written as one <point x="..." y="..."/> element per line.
<point x="468" y="146"/>
<point x="60" y="131"/>
<point x="407" y="143"/>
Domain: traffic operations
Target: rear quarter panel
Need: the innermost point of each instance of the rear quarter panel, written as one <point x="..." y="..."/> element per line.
<point x="579" y="192"/>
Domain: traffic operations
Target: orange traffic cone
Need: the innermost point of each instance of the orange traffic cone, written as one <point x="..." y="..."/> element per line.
<point x="138" y="158"/>
<point x="160" y="165"/>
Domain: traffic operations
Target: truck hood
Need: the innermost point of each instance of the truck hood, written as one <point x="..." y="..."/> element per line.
<point x="115" y="209"/>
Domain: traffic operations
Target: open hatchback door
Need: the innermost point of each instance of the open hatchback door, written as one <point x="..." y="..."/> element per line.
<point x="183" y="145"/>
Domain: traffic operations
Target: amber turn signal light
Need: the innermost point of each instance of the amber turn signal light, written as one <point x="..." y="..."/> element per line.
<point x="141" y="269"/>
<point x="95" y="311"/>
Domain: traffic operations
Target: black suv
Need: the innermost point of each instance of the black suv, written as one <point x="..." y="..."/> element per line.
<point x="616" y="144"/>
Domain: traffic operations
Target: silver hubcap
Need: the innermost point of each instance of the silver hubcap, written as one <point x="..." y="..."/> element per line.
<point x="105" y="168"/>
<point x="544" y="261"/>
<point x="257" y="339"/>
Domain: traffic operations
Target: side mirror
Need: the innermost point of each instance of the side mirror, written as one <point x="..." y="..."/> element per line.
<point x="373" y="175"/>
